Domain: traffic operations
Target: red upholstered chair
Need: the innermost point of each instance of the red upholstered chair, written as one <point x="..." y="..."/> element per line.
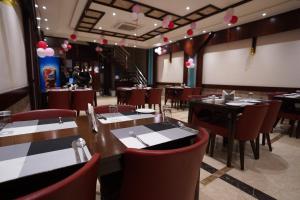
<point x="78" y="186"/>
<point x="163" y="174"/>
<point x="196" y="91"/>
<point x="154" y="97"/>
<point x="268" y="123"/>
<point x="59" y="99"/>
<point x="82" y="98"/>
<point x="42" y="114"/>
<point x="137" y="98"/>
<point x="247" y="128"/>
<point x="121" y="108"/>
<point x="184" y="97"/>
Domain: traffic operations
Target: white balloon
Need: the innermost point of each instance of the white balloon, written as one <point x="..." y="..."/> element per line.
<point x="134" y="16"/>
<point x="49" y="52"/>
<point x="41" y="52"/>
<point x="66" y="42"/>
<point x="64" y="46"/>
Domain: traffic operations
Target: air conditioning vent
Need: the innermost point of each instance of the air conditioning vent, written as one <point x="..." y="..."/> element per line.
<point x="124" y="26"/>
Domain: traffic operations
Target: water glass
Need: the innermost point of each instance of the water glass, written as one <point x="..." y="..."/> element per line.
<point x="167" y="112"/>
<point x="4" y="118"/>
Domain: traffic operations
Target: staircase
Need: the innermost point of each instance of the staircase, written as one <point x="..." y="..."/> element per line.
<point x="140" y="77"/>
<point x="120" y="55"/>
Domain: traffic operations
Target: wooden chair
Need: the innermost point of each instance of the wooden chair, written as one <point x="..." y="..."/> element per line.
<point x="42" y="114"/>
<point x="163" y="174"/>
<point x="59" y="99"/>
<point x="196" y="91"/>
<point x="121" y="108"/>
<point x="137" y="98"/>
<point x="154" y="97"/>
<point x="80" y="185"/>
<point x="81" y="99"/>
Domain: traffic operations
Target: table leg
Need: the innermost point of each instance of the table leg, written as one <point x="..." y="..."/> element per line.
<point x="95" y="98"/>
<point x="197" y="187"/>
<point x="231" y="127"/>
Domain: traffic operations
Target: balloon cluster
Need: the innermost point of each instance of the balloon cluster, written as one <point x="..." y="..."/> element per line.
<point x="190" y="63"/>
<point x="73" y="37"/>
<point x="98" y="49"/>
<point x="160" y="50"/>
<point x="230" y="17"/>
<point x="167" y="22"/>
<point x="43" y="50"/>
<point x="190" y="31"/>
<point x="66" y="46"/>
<point x="137" y="12"/>
<point x="165" y="39"/>
<point x="103" y="41"/>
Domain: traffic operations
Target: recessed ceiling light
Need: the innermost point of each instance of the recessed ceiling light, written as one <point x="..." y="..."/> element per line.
<point x="38" y="27"/>
<point x="155" y="24"/>
<point x="46" y="19"/>
<point x="264" y="14"/>
<point x="35" y="5"/>
<point x="44" y="7"/>
<point x="47" y="28"/>
<point x="134" y="34"/>
<point x="100" y="27"/>
<point x="170" y="40"/>
<point x="238" y="28"/>
<point x="114" y="14"/>
<point x="116" y="43"/>
<point x="204" y="31"/>
<point x="94" y="40"/>
<point x="38" y="18"/>
<point x="191" y="38"/>
<point x="134" y="46"/>
<point x="45" y="39"/>
<point x="185" y="37"/>
<point x="187" y="8"/>
<point x="229" y="24"/>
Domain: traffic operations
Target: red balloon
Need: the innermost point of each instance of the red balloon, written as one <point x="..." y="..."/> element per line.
<point x="73" y="37"/>
<point x="234" y="19"/>
<point x="104" y="41"/>
<point x="171" y="25"/>
<point x="190" y="32"/>
<point x="42" y="44"/>
<point x="69" y="46"/>
<point x="166" y="39"/>
<point x="187" y="63"/>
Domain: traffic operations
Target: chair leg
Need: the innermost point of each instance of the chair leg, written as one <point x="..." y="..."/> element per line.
<point x="257" y="146"/>
<point x="159" y="108"/>
<point x="212" y="144"/>
<point x="78" y="112"/>
<point x="242" y="153"/>
<point x="208" y="144"/>
<point x="269" y="141"/>
<point x="276" y="122"/>
<point x="263" y="139"/>
<point x="290" y="131"/>
<point x="298" y="129"/>
<point x="254" y="149"/>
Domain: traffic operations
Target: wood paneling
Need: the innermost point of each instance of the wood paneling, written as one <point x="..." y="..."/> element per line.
<point x="9" y="98"/>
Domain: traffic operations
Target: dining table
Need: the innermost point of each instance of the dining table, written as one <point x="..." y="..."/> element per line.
<point x="172" y="92"/>
<point x="223" y="113"/>
<point x="109" y="141"/>
<point x="123" y="93"/>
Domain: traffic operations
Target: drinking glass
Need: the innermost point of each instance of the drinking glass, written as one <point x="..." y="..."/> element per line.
<point x="4" y="118"/>
<point x="113" y="109"/>
<point x="250" y="95"/>
<point x="167" y="113"/>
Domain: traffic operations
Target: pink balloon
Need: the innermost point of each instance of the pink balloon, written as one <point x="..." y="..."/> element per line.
<point x="165" y="22"/>
<point x="41" y="52"/>
<point x="193" y="25"/>
<point x="134" y="16"/>
<point x="136" y="8"/>
<point x="49" y="52"/>
<point x="227" y="18"/>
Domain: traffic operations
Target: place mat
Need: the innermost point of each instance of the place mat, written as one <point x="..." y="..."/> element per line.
<point x="239" y="103"/>
<point x="34" y="126"/>
<point x="26" y="159"/>
<point x="152" y="134"/>
<point x="108" y="118"/>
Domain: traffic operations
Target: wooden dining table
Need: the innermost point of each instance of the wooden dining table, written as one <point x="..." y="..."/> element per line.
<point x="103" y="142"/>
<point x="172" y="92"/>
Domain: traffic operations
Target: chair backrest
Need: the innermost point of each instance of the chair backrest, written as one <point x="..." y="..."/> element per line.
<point x="196" y="91"/>
<point x="80" y="185"/>
<point x="59" y="99"/>
<point x="155" y="96"/>
<point x="271" y="116"/>
<point x="163" y="174"/>
<point x="42" y="114"/>
<point x="121" y="108"/>
<point x="249" y="123"/>
<point x="186" y="93"/>
<point x="82" y="98"/>
<point x="137" y="97"/>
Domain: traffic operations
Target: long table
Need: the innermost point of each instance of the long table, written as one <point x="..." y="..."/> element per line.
<point x="104" y="142"/>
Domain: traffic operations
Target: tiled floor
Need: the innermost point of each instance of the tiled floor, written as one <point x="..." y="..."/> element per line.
<point x="276" y="175"/>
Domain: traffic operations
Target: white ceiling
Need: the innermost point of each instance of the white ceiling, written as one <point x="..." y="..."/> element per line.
<point x="63" y="17"/>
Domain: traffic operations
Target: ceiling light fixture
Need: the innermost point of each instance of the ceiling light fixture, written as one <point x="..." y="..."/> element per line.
<point x="38" y="27"/>
<point x="134" y="46"/>
<point x="47" y="28"/>
<point x="191" y="38"/>
<point x="184" y="37"/>
<point x="35" y="5"/>
<point x="204" y="31"/>
<point x="114" y="14"/>
<point x="100" y="27"/>
<point x="264" y="14"/>
<point x="134" y="34"/>
<point x="155" y="24"/>
<point x="45" y="39"/>
<point x="170" y="41"/>
<point x="38" y="18"/>
<point x="187" y="8"/>
<point x="44" y="7"/>
<point x="94" y="40"/>
<point x="116" y="43"/>
<point x="229" y="24"/>
<point x="46" y="19"/>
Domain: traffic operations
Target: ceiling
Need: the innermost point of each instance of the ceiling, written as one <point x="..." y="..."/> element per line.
<point x="95" y="19"/>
